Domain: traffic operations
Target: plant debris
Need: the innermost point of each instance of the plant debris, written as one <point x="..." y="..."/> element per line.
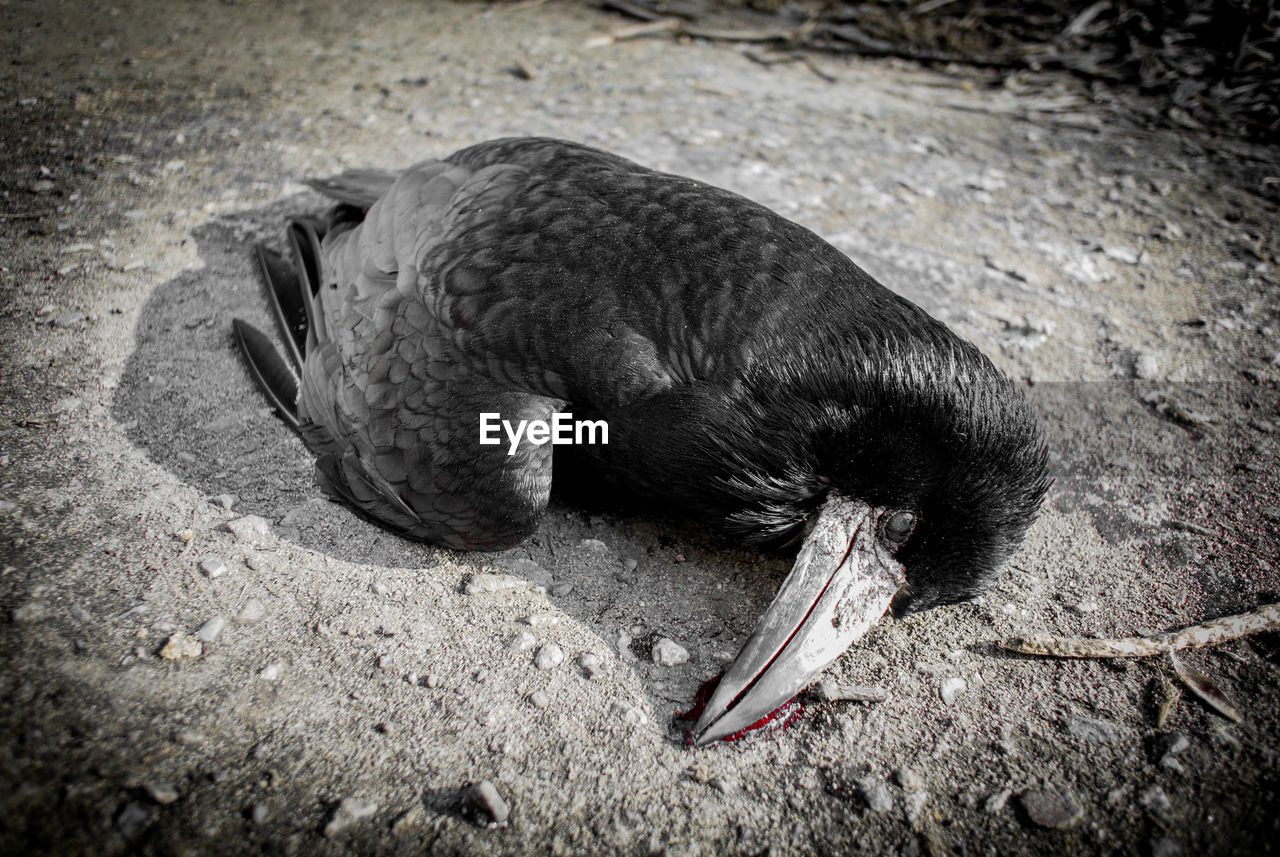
<point x="1210" y="633"/>
<point x="1204" y="689"/>
<point x="1206" y="63"/>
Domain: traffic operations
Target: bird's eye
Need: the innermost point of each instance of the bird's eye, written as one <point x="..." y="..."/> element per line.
<point x="895" y="529"/>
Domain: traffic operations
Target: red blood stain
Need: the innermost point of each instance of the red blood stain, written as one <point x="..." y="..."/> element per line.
<point x="777" y="720"/>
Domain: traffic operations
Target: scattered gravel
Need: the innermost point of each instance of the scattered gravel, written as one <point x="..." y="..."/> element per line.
<point x="161" y="792"/>
<point x="272" y="672"/>
<point x="209" y="631"/>
<point x="488" y="807"/>
<point x="549" y="657"/>
<point x="952" y="688"/>
<point x="133" y="819"/>
<point x="669" y="653"/>
<point x="350" y="811"/>
<point x="996" y="802"/>
<point x="250" y="528"/>
<point x="591" y="665"/>
<point x="875" y="793"/>
<point x="909" y="780"/>
<point x="181" y="646"/>
<point x="1049" y="808"/>
<point x="914" y="803"/>
<point x="213" y="567"/>
<point x="33" y="611"/>
<point x="252" y="611"/>
<point x="522" y="641"/>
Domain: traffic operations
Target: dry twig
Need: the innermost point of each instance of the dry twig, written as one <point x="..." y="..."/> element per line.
<point x="1265" y="618"/>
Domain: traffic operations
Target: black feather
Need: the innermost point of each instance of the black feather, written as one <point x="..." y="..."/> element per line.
<point x="269" y="369"/>
<point x="284" y="293"/>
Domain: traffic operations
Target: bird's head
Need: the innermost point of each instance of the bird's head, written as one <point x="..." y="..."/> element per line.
<point x="919" y="471"/>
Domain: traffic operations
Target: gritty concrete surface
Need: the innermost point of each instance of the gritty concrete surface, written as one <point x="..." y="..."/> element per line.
<point x="311" y="684"/>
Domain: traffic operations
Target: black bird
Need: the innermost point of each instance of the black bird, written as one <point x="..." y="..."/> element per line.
<point x="749" y="373"/>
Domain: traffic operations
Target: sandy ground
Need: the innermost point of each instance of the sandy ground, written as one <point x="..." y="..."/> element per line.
<point x="356" y="689"/>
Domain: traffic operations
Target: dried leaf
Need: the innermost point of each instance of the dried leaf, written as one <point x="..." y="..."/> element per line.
<point x="1204" y="689"/>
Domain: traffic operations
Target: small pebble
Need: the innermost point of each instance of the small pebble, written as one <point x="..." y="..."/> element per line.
<point x="997" y="801"/>
<point x="1050" y="809"/>
<point x="875" y="793"/>
<point x="181" y="646"/>
<point x="252" y="611"/>
<point x="1145" y="367"/>
<point x="32" y="611"/>
<point x="952" y="688"/>
<point x="669" y="653"/>
<point x="594" y="545"/>
<point x="190" y="737"/>
<point x="133" y="819"/>
<point x="915" y="802"/>
<point x="161" y="792"/>
<point x="213" y="567"/>
<point x="1086" y="607"/>
<point x="522" y="641"/>
<point x="630" y="564"/>
<point x="1175" y="743"/>
<point x="385" y="662"/>
<point x="726" y="785"/>
<point x="909" y="780"/>
<point x="540" y="620"/>
<point x="225" y="501"/>
<point x="259" y="813"/>
<point x="591" y="666"/>
<point x="490" y="809"/>
<point x="432" y="681"/>
<point x="549" y="657"/>
<point x="539" y="699"/>
<point x="272" y="671"/>
<point x="249" y="528"/>
<point x="348" y="813"/>
<point x="209" y="631"/>
<point x="379" y="588"/>
<point x="412" y="678"/>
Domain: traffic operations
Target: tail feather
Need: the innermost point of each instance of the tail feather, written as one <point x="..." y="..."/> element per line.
<point x="288" y="304"/>
<point x="304" y="240"/>
<point x="360" y="188"/>
<point x="269" y="370"/>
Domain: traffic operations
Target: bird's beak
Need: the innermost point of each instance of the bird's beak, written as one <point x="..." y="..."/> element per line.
<point x="841" y="584"/>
